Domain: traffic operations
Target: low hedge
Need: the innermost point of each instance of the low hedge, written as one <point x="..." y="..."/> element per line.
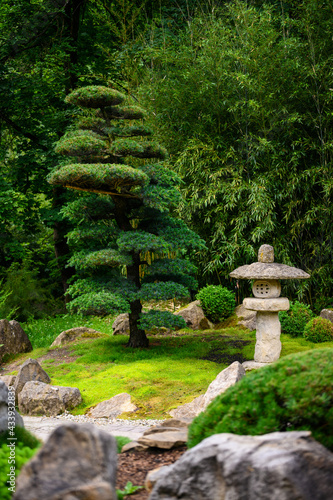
<point x="293" y="394"/>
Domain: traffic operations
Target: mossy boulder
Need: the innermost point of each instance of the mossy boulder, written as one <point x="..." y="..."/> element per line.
<point x="293" y="394"/>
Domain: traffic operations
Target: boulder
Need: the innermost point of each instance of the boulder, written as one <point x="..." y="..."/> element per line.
<point x="29" y="371"/>
<point x="74" y="333"/>
<point x="281" y="466"/>
<point x="113" y="407"/>
<point x="194" y="317"/>
<point x="120" y="325"/>
<point x="327" y="314"/>
<point x="225" y="379"/>
<point x="13" y="339"/>
<point x="37" y="398"/>
<point x="7" y="409"/>
<point x="246" y="317"/>
<point x="78" y="462"/>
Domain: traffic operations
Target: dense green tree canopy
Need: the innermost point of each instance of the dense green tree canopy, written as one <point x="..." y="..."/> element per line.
<point x="126" y="217"/>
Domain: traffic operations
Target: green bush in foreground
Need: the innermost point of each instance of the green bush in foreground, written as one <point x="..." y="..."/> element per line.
<point x="217" y="302"/>
<point x="318" y="330"/>
<point x="26" y="447"/>
<point x="293" y="394"/>
<point x="293" y="321"/>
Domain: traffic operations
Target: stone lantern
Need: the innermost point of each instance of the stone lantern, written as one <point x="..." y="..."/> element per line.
<point x="267" y="301"/>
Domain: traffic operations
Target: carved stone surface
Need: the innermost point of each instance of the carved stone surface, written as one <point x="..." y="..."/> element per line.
<point x="269" y="305"/>
<point x="268" y="344"/>
<point x="277" y="466"/>
<point x="266" y="254"/>
<point x="78" y="462"/>
<point x="274" y="271"/>
<point x="113" y="407"/>
<point x="13" y="339"/>
<point x="73" y="334"/>
<point x="266" y="289"/>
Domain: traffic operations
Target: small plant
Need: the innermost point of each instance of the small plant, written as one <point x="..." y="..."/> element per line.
<point x="121" y="441"/>
<point x="128" y="490"/>
<point x="294" y="321"/>
<point x="217" y="302"/>
<point x="293" y="394"/>
<point x="318" y="330"/>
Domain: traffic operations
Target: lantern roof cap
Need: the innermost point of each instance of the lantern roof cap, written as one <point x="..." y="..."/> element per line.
<point x="267" y="269"/>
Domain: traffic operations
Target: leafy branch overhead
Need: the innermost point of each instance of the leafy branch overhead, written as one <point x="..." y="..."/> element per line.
<point x="122" y="214"/>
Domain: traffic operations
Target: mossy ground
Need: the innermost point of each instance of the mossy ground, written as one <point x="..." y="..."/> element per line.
<point x="172" y="371"/>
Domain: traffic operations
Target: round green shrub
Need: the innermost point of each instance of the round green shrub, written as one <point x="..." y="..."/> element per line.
<point x="318" y="330"/>
<point x="294" y="320"/>
<point x="217" y="302"/>
<point x="293" y="394"/>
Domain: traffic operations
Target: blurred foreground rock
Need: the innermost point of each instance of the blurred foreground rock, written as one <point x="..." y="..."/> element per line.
<point x="78" y="462"/>
<point x="4" y="409"/>
<point x="277" y="466"/>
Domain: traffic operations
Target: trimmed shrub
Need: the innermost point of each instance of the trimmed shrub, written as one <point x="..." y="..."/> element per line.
<point x="294" y="320"/>
<point x="217" y="302"/>
<point x="293" y="394"/>
<point x="318" y="330"/>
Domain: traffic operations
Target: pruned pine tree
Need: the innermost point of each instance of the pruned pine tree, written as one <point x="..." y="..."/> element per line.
<point x="122" y="214"/>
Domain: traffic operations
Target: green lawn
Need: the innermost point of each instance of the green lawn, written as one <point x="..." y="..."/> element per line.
<point x="172" y="371"/>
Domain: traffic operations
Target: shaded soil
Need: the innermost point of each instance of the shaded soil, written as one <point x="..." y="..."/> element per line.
<point x="134" y="466"/>
<point x="218" y="355"/>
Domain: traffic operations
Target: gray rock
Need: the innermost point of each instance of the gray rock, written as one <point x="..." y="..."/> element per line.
<point x="29" y="371"/>
<point x="113" y="407"/>
<point x="225" y="379"/>
<point x="74" y="333"/>
<point x="253" y="365"/>
<point x="246" y="317"/>
<point x="188" y="410"/>
<point x="194" y="316"/>
<point x="274" y="271"/>
<point x="277" y="466"/>
<point x="153" y="476"/>
<point x="120" y="325"/>
<point x="37" y="398"/>
<point x="78" y="462"/>
<point x="13" y="339"/>
<point x="5" y="411"/>
<point x="327" y="314"/>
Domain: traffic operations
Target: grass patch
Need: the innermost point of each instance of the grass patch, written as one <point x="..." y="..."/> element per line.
<point x="42" y="332"/>
<point x="172" y="371"/>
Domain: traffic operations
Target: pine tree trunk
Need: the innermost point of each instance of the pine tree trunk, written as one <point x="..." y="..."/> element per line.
<point x="137" y="336"/>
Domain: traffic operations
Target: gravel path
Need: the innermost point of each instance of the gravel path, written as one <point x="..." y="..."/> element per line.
<point x="133" y="429"/>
